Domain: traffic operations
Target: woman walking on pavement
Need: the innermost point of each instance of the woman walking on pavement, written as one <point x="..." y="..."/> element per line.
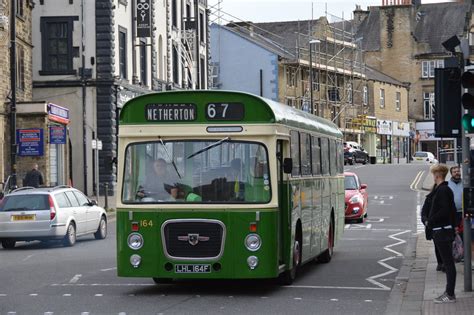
<point x="442" y="220"/>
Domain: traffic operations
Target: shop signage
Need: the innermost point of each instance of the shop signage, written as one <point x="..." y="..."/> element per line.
<point x="401" y="129"/>
<point x="58" y="114"/>
<point x="57" y="134"/>
<point x="143" y="18"/>
<point x="384" y="127"/>
<point x="365" y="123"/>
<point x="30" y="142"/>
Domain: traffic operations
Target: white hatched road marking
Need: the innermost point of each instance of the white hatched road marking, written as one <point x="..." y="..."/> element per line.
<point x="75" y="279"/>
<point x="33" y="294"/>
<point x="85" y="313"/>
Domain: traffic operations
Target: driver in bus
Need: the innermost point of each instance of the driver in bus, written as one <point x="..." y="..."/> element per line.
<point x="159" y="185"/>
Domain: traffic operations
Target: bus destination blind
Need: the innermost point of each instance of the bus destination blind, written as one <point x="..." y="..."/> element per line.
<point x="170" y="112"/>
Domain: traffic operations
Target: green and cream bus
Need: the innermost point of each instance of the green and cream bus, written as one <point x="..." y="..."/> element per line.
<point x="225" y="185"/>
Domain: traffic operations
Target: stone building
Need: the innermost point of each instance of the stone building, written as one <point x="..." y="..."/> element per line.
<point x="92" y="56"/>
<point x="404" y="41"/>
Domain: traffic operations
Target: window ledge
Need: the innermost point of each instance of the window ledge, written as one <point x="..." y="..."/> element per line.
<point x="54" y="72"/>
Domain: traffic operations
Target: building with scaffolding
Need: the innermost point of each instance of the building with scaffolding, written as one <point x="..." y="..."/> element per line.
<point x="273" y="60"/>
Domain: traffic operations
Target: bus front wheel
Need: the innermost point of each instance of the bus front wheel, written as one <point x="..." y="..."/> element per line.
<point x="289" y="276"/>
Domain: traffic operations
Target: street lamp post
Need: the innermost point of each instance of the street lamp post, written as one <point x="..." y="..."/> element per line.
<point x="311" y="42"/>
<point x="13" y="93"/>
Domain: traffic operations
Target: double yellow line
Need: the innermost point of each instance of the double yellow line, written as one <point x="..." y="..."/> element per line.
<point x="417" y="180"/>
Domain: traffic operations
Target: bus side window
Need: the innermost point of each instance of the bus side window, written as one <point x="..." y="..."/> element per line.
<point x="316" y="155"/>
<point x="324" y="156"/>
<point x="295" y="152"/>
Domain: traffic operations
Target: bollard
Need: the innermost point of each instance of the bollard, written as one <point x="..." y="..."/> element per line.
<point x="106" y="188"/>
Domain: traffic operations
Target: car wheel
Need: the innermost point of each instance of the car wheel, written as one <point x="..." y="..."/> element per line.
<point x="101" y="230"/>
<point x="365" y="215"/>
<point x="366" y="160"/>
<point x="360" y="220"/>
<point x="8" y="244"/>
<point x="162" y="280"/>
<point x="70" y="237"/>
<point x="327" y="254"/>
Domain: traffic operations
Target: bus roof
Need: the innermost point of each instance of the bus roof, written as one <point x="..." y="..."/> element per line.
<point x="193" y="107"/>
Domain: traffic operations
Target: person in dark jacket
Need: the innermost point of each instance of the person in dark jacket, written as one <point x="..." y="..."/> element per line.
<point x="442" y="221"/>
<point x="33" y="178"/>
<point x="425" y="212"/>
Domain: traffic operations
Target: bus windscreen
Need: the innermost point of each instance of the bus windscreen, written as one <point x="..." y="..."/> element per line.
<point x="198" y="171"/>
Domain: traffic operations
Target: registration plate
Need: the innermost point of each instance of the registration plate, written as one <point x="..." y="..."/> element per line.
<point x="192" y="268"/>
<point x="419" y="159"/>
<point x="23" y="217"/>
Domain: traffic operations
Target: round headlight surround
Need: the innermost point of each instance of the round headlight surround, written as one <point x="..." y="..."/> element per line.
<point x="253" y="242"/>
<point x="135" y="241"/>
<point x="252" y="262"/>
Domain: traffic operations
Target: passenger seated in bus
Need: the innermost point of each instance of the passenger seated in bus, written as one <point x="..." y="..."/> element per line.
<point x="154" y="185"/>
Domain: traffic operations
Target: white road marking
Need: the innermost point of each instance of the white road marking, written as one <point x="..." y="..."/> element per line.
<point x="85" y="313"/>
<point x="108" y="269"/>
<point x="382" y="202"/>
<point x="334" y="300"/>
<point x="347" y="226"/>
<point x="420" y="227"/>
<point x="98" y="294"/>
<point x="34" y="294"/>
<point x="3" y="294"/>
<point x="390" y="197"/>
<point x="369" y="226"/>
<point x="67" y="294"/>
<point x="11" y="313"/>
<point x="332" y="287"/>
<point x="375" y="220"/>
<point x="122" y="313"/>
<point x="48" y="313"/>
<point x="376" y="197"/>
<point x="382" y="261"/>
<point x="297" y="298"/>
<point x="416" y="181"/>
<point x="367" y="300"/>
<point x="75" y="279"/>
<point x="27" y="257"/>
<point x="264" y="297"/>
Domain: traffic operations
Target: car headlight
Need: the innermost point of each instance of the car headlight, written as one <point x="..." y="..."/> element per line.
<point x="135" y="241"/>
<point x="355" y="199"/>
<point x="253" y="242"/>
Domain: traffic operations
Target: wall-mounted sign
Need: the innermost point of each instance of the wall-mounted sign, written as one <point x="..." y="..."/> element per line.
<point x="58" y="114"/>
<point x="170" y="112"/>
<point x="143" y="18"/>
<point x="57" y="134"/>
<point x="384" y="127"/>
<point x="30" y="142"/>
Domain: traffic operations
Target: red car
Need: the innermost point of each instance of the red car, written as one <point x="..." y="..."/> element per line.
<point x="356" y="198"/>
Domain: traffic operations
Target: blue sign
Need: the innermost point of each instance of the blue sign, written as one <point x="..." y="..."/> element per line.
<point x="57" y="134"/>
<point x="30" y="142"/>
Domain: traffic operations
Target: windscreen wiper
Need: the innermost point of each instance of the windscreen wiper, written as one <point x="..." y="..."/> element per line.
<point x="215" y="144"/>
<point x="170" y="158"/>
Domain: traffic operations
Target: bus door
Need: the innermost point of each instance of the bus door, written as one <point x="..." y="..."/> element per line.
<point x="284" y="220"/>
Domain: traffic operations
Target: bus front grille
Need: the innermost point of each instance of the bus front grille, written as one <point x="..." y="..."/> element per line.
<point x="193" y="239"/>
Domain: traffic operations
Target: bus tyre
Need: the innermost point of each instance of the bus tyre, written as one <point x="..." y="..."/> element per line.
<point x="327" y="254"/>
<point x="70" y="237"/>
<point x="8" y="244"/>
<point x="162" y="280"/>
<point x="289" y="276"/>
<point x="101" y="232"/>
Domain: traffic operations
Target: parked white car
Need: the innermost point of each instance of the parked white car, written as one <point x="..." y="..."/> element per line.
<point x="424" y="157"/>
<point x="62" y="212"/>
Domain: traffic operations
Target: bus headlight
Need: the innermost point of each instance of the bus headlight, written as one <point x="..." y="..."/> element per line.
<point x="253" y="242"/>
<point x="135" y="260"/>
<point x="135" y="241"/>
<point x="252" y="261"/>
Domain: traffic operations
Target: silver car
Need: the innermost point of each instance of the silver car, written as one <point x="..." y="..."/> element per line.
<point x="61" y="213"/>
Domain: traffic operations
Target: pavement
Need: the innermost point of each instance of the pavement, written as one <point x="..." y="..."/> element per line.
<point x="418" y="282"/>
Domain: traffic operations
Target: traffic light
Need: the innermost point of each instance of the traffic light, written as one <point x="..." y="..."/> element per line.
<point x="467" y="100"/>
<point x="447" y="99"/>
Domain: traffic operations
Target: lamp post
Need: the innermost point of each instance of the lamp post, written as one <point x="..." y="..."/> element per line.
<point x="311" y="42"/>
<point x="13" y="93"/>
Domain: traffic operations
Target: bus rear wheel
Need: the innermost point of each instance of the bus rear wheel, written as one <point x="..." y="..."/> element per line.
<point x="327" y="254"/>
<point x="289" y="276"/>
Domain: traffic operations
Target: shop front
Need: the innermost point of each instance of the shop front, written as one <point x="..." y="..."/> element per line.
<point x="400" y="141"/>
<point x="384" y="141"/>
<point x="425" y="140"/>
<point x="42" y="138"/>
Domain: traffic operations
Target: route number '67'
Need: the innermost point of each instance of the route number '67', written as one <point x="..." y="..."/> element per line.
<point x="225" y="111"/>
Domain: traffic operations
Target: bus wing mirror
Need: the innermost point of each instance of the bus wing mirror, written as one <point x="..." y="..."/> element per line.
<point x="287" y="165"/>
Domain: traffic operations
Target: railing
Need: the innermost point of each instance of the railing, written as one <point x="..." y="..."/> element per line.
<point x="447" y="155"/>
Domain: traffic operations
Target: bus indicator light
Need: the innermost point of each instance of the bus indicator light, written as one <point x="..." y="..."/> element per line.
<point x="253" y="227"/>
<point x="135" y="227"/>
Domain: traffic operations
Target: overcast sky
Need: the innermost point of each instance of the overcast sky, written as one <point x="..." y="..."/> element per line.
<point x="288" y="10"/>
